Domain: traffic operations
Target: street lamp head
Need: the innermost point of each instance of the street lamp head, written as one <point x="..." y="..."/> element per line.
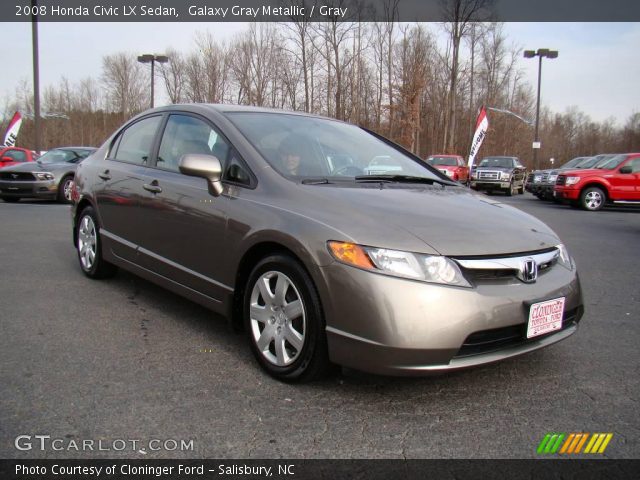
<point x="146" y="58"/>
<point x="552" y="54"/>
<point x="529" y="54"/>
<point x="162" y="58"/>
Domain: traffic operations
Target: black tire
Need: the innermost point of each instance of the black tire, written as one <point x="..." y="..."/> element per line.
<point x="11" y="199"/>
<point x="592" y="199"/>
<point x="65" y="182"/>
<point x="311" y="360"/>
<point x="98" y="268"/>
<point x="521" y="190"/>
<point x="510" y="190"/>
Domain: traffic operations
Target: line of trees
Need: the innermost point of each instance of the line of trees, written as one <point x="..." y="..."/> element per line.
<point x="419" y="84"/>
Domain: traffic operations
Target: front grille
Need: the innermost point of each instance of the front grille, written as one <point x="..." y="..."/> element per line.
<point x="488" y="175"/>
<point x="561" y="180"/>
<point x="486" y="341"/>
<point x="17" y="176"/>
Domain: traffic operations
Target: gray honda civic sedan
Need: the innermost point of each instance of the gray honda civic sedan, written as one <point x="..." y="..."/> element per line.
<point x="327" y="243"/>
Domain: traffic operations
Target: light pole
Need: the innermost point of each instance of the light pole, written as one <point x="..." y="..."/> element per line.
<point x="542" y="52"/>
<point x="149" y="58"/>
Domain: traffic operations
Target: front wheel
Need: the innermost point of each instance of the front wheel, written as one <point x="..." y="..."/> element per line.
<point x="89" y="246"/>
<point x="592" y="199"/>
<point x="511" y="190"/>
<point x="65" y="188"/>
<point x="284" y="321"/>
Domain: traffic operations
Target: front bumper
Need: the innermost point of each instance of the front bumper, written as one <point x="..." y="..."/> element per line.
<point x="486" y="184"/>
<point x="387" y="325"/>
<point x="29" y="189"/>
<point x="566" y="193"/>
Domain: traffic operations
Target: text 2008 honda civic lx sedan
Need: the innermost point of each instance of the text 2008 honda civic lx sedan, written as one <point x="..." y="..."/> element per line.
<point x="327" y="242"/>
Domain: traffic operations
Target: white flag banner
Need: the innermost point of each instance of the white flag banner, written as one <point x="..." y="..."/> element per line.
<point x="11" y="134"/>
<point x="482" y="124"/>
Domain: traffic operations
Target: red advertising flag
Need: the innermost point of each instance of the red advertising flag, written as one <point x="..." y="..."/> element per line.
<point x="11" y="134"/>
<point x="482" y="124"/>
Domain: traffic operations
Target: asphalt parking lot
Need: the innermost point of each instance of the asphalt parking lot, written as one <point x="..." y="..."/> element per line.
<point x="124" y="359"/>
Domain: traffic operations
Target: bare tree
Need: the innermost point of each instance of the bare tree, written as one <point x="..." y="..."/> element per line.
<point x="460" y="15"/>
<point x="127" y="91"/>
<point x="173" y="74"/>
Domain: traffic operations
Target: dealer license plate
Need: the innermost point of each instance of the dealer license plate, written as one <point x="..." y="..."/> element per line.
<point x="545" y="317"/>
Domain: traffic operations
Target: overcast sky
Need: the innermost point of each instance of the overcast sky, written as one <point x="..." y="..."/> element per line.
<point x="597" y="71"/>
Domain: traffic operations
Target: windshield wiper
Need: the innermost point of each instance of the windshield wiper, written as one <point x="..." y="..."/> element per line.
<point x="402" y="179"/>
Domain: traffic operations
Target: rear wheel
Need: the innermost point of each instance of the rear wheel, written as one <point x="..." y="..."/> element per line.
<point x="592" y="199"/>
<point x="89" y="246"/>
<point x="11" y="199"/>
<point x="284" y="320"/>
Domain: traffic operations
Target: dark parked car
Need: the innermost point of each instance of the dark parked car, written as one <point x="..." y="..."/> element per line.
<point x="327" y="242"/>
<point x="505" y="174"/>
<point x="10" y="156"/>
<point x="545" y="180"/>
<point x="50" y="177"/>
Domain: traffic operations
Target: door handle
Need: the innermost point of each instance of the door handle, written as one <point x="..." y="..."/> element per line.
<point x="105" y="175"/>
<point x="153" y="187"/>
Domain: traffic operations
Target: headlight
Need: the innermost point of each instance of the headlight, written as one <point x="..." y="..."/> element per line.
<point x="552" y="178"/>
<point x="572" y="180"/>
<point x="565" y="259"/>
<point x="474" y="175"/>
<point x="537" y="179"/>
<point x="426" y="268"/>
<point x="43" y="175"/>
<point x="505" y="176"/>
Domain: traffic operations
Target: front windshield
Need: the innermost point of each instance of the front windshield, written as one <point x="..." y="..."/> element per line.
<point x="611" y="163"/>
<point x="498" y="162"/>
<point x="302" y="147"/>
<point x="445" y="161"/>
<point x="64" y="156"/>
<point x="574" y="162"/>
<point x="589" y="162"/>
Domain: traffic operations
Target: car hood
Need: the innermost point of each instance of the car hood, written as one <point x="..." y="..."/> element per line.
<point x="429" y="219"/>
<point x="36" y="167"/>
<point x="585" y="172"/>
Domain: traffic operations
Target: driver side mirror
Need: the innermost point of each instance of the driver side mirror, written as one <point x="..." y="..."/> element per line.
<point x="205" y="166"/>
<point x="626" y="169"/>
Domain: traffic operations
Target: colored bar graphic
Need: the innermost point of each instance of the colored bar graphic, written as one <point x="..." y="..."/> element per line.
<point x="594" y="437"/>
<point x="543" y="443"/>
<point x="603" y="447"/>
<point x="584" y="439"/>
<point x="572" y="443"/>
<point x="567" y="442"/>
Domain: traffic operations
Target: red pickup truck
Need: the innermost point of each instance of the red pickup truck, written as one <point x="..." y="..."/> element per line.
<point x="617" y="181"/>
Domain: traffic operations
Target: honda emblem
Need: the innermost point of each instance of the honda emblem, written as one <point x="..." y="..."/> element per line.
<point x="529" y="272"/>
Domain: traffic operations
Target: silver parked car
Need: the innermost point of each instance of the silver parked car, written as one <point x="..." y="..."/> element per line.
<point x="376" y="262"/>
<point x="49" y="177"/>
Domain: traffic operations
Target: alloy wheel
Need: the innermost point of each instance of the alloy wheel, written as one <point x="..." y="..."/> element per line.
<point x="68" y="190"/>
<point x="87" y="242"/>
<point x="277" y="318"/>
<point x="593" y="200"/>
